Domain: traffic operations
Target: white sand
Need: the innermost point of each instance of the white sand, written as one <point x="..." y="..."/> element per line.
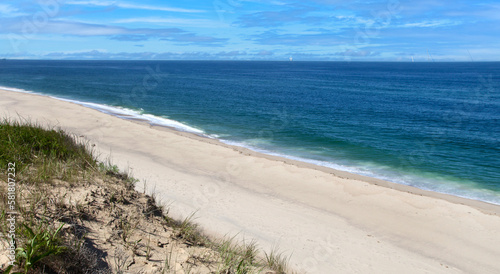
<point x="330" y="221"/>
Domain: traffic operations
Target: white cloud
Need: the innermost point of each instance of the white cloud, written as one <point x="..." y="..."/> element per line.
<point x="431" y="24"/>
<point x="276" y="3"/>
<point x="129" y="6"/>
<point x="65" y="28"/>
<point x="60" y="27"/>
<point x="6" y="9"/>
<point x="74" y="28"/>
<point x="175" y="21"/>
<point x="9" y="11"/>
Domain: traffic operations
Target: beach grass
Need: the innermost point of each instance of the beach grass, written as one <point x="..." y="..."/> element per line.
<point x="62" y="191"/>
<point x="43" y="153"/>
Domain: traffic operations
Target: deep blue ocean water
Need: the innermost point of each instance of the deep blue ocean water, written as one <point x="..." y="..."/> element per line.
<point x="435" y="126"/>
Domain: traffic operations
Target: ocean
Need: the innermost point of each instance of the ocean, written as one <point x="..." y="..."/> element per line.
<point x="435" y="126"/>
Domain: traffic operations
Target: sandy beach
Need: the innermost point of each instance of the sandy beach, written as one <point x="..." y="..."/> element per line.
<point x="329" y="221"/>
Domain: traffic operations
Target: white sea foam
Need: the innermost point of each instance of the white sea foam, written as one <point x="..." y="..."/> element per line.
<point x="171" y="123"/>
<point x="431" y="183"/>
<point x="123" y="113"/>
<point x="16" y="90"/>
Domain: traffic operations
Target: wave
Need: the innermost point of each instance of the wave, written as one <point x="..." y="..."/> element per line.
<point x="124" y="113"/>
<point x="130" y="114"/>
<point x="20" y="90"/>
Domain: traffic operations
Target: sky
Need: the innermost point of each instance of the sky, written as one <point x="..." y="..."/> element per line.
<point x="323" y="30"/>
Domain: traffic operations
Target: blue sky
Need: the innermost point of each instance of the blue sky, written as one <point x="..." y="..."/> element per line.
<point x="388" y="30"/>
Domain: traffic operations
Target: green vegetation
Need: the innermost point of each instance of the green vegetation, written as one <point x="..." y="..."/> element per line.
<point x="39" y="245"/>
<point x="47" y="154"/>
<point x="277" y="261"/>
<point x="62" y="188"/>
<point x="41" y="158"/>
<point x="238" y="258"/>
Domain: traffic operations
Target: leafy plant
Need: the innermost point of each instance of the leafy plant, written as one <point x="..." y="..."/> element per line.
<point x="39" y="246"/>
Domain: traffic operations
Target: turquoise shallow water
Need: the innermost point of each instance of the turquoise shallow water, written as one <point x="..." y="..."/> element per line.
<point x="435" y="126"/>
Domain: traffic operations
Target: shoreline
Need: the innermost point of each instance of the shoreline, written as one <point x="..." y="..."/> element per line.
<point x="489" y="208"/>
<point x="485" y="206"/>
<point x="187" y="131"/>
<point x="367" y="206"/>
